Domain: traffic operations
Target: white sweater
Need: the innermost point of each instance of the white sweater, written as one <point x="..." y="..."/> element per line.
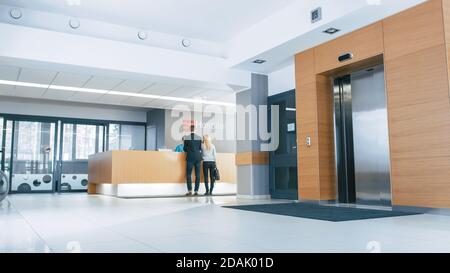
<point x="209" y="155"/>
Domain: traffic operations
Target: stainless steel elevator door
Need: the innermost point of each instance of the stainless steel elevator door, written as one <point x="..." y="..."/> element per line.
<point x="370" y="137"/>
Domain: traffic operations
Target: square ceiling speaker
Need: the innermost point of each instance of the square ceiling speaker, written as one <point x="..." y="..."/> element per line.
<point x="316" y="15"/>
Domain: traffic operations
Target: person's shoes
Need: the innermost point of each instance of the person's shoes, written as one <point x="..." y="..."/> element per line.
<point x="207" y="193"/>
<point x="189" y="193"/>
<point x="210" y="193"/>
<point x="195" y="193"/>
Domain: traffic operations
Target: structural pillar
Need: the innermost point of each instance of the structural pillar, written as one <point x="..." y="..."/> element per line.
<point x="252" y="163"/>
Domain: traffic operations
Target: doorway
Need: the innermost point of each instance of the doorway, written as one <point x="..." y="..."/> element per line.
<point x="283" y="161"/>
<point x="361" y="138"/>
<point x="29" y="155"/>
<point x="78" y="142"/>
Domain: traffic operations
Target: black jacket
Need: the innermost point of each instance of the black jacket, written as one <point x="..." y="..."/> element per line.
<point x="193" y="147"/>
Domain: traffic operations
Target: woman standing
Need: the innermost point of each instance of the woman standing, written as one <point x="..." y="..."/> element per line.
<point x="209" y="163"/>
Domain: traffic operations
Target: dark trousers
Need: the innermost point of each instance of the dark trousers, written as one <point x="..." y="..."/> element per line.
<point x="189" y="166"/>
<point x="208" y="168"/>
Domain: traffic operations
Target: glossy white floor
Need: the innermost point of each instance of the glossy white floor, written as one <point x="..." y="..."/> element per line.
<point x="78" y="222"/>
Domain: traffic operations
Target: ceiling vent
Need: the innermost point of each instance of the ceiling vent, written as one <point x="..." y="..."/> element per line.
<point x="316" y="15"/>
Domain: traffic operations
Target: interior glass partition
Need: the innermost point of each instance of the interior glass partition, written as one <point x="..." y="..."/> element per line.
<point x="126" y="137"/>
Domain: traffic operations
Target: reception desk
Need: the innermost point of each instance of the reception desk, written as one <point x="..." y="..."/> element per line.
<point x="151" y="174"/>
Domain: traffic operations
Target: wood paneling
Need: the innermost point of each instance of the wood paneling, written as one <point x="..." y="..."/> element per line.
<point x="413" y="30"/>
<point x="307" y="125"/>
<point x="123" y="167"/>
<point x="252" y="158"/>
<point x="364" y="43"/>
<point x="419" y="119"/>
<point x="304" y="67"/>
<point x="446" y="18"/>
<point x="327" y="174"/>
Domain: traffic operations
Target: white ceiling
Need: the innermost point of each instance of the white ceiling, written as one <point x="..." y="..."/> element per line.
<point x="142" y="86"/>
<point x="213" y="20"/>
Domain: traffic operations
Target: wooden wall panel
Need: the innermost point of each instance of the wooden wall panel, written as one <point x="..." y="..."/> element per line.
<point x="306" y="98"/>
<point x="327" y="173"/>
<point x="413" y="30"/>
<point x="364" y="43"/>
<point x="419" y="124"/>
<point x="446" y="18"/>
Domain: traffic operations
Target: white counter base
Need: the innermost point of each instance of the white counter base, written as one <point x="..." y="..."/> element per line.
<point x="160" y="189"/>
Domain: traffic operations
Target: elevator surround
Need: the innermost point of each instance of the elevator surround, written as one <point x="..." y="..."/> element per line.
<point x="414" y="47"/>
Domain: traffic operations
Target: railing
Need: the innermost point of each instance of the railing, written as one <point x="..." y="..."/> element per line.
<point x="4" y="186"/>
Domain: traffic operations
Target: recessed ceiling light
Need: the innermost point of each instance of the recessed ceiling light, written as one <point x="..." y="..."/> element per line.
<point x="15" y="13"/>
<point x="186" y="42"/>
<point x="142" y="35"/>
<point x="74" y="23"/>
<point x="259" y="61"/>
<point x="117" y="93"/>
<point x="331" y="30"/>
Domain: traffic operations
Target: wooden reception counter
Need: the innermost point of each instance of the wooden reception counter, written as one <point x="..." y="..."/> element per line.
<point x="151" y="173"/>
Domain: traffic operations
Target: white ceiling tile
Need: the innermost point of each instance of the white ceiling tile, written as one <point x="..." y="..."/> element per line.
<point x="8" y="73"/>
<point x="58" y="94"/>
<point x="160" y="89"/>
<point x="114" y="99"/>
<point x="185" y="92"/>
<point x="212" y="94"/>
<point x="229" y="98"/>
<point x="69" y="79"/>
<point x="133" y="86"/>
<point x="158" y="103"/>
<point x="86" y="97"/>
<point x="136" y="101"/>
<point x="6" y="90"/>
<point x="29" y="92"/>
<point x="36" y="76"/>
<point x="104" y="83"/>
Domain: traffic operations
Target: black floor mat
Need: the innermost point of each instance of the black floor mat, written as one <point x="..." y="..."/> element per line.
<point x="318" y="212"/>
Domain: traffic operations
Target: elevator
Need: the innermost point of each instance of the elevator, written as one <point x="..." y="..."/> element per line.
<point x="361" y="138"/>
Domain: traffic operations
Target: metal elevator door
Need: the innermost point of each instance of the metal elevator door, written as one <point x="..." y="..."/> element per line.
<point x="362" y="139"/>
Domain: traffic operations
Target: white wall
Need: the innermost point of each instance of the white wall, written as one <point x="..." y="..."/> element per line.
<point x="282" y="80"/>
<point x="20" y="106"/>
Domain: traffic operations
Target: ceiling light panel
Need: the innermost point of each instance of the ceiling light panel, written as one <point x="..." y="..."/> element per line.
<point x="91" y="95"/>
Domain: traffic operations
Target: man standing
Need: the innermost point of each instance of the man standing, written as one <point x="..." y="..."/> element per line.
<point x="193" y="149"/>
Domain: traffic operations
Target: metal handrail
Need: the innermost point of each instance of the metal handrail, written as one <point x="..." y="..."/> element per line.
<point x="5" y="191"/>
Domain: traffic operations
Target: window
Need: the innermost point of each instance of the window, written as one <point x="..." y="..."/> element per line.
<point x="126" y="137"/>
<point x="80" y="141"/>
<point x="1" y="134"/>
